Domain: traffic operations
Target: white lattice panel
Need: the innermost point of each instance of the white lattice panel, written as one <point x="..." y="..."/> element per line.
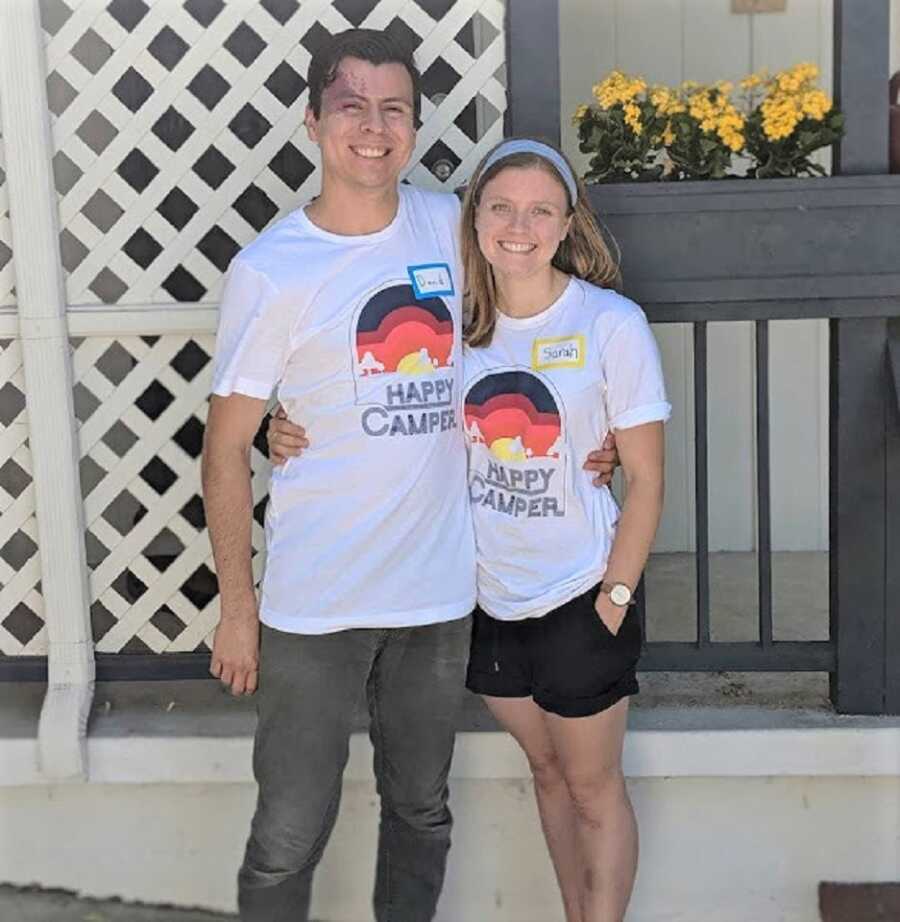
<point x="22" y="629"/>
<point x="7" y="279"/>
<point x="142" y="403"/>
<point x="178" y="125"/>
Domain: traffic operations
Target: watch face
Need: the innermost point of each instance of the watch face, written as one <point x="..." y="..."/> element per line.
<point x="620" y="594"/>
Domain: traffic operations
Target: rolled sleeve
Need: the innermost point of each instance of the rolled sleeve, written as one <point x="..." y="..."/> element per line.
<point x="632" y="369"/>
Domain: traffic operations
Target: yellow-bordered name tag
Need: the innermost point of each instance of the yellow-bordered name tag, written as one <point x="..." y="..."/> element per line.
<point x="559" y="352"/>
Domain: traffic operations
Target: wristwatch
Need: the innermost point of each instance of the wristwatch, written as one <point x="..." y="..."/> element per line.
<point x="619" y="594"/>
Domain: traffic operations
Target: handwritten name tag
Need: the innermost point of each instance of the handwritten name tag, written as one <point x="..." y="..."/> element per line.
<point x="431" y="280"/>
<point x="561" y="352"/>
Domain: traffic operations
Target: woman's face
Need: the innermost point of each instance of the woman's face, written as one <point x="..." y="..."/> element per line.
<point x="521" y="220"/>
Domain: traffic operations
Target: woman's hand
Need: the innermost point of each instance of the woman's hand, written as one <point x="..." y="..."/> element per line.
<point x="611" y="615"/>
<point x="602" y="462"/>
<point x="284" y="438"/>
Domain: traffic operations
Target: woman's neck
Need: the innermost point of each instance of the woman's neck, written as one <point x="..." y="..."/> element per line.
<point x="529" y="296"/>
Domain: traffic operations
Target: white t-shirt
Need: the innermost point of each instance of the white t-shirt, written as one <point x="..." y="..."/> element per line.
<point x="537" y="400"/>
<point x="361" y="338"/>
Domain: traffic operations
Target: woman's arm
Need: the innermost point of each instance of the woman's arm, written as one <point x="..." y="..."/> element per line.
<point x="284" y="438"/>
<point x="641" y="450"/>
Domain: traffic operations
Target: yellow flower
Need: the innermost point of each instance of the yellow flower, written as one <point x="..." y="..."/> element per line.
<point x="618" y="89"/>
<point x="780" y="114"/>
<point x="580" y="113"/>
<point x="815" y="104"/>
<point x="796" y="79"/>
<point x="668" y="135"/>
<point x="752" y="81"/>
<point x="665" y="101"/>
<point x="633" y="117"/>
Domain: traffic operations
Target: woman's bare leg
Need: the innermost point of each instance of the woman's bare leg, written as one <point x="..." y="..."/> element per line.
<point x="526" y="723"/>
<point x="589" y="750"/>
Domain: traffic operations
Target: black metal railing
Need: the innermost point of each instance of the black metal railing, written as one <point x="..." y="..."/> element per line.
<point x="703" y="654"/>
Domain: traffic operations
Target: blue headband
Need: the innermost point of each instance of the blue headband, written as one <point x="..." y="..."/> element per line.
<point x="544" y="151"/>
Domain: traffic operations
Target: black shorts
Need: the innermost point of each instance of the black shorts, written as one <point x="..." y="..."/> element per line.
<point x="567" y="661"/>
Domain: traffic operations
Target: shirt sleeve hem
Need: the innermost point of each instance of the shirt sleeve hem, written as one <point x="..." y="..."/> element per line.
<point x="245" y="386"/>
<point x="651" y="413"/>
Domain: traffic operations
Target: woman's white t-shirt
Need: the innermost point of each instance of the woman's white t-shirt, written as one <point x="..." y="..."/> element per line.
<point x="361" y="339"/>
<point x="537" y="400"/>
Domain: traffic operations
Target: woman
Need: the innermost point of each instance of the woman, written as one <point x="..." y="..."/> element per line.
<point x="555" y="361"/>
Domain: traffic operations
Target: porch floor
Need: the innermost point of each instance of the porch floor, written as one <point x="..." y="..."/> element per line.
<point x="36" y="905"/>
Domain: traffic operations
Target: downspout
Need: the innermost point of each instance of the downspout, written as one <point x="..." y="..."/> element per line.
<point x="47" y="364"/>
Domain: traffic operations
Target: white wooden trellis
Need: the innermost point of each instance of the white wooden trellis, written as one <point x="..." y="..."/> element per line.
<point x="174" y="136"/>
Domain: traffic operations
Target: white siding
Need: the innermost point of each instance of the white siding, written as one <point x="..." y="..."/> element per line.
<point x="670" y="41"/>
<point x="895" y="35"/>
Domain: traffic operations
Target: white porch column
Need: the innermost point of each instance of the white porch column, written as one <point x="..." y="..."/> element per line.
<point x="48" y="378"/>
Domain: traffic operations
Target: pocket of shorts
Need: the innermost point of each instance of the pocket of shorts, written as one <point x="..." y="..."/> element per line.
<point x="587" y="601"/>
<point x="626" y="625"/>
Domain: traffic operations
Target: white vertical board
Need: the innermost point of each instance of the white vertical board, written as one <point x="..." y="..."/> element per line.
<point x="731" y="433"/>
<point x="676" y="529"/>
<point x="587" y="51"/>
<point x="798" y="415"/>
<point x="649" y="38"/>
<point x="895" y="35"/>
<point x="801" y="33"/>
<point x="716" y="42"/>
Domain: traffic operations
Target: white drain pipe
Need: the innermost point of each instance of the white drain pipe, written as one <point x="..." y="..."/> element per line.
<point x="40" y="288"/>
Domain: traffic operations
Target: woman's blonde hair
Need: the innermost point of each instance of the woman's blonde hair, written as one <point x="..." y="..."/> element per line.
<point x="583" y="253"/>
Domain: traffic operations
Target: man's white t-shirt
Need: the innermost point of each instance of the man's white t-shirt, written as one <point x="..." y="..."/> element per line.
<point x="537" y="400"/>
<point x="361" y="338"/>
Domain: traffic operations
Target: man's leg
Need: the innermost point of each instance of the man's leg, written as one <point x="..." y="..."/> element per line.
<point x="309" y="689"/>
<point x="414" y="694"/>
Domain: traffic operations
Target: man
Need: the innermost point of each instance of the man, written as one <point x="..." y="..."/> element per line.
<point x="351" y="309"/>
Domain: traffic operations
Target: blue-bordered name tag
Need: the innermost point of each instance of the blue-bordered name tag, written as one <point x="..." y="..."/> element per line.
<point x="431" y="280"/>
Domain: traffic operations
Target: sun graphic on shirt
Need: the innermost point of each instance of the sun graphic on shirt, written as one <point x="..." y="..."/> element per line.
<point x="399" y="333"/>
<point x="507" y="449"/>
<point x="417" y="363"/>
<point x="514" y="414"/>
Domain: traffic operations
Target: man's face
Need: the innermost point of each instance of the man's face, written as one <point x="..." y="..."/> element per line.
<point x="366" y="129"/>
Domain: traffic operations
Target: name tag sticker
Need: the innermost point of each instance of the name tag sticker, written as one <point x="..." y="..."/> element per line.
<point x="431" y="280"/>
<point x="561" y="352"/>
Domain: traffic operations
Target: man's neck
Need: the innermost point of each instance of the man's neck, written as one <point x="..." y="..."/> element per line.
<point x="355" y="212"/>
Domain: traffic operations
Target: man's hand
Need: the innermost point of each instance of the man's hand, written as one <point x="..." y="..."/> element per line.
<point x="235" y="657"/>
<point x="285" y="439"/>
<point x="602" y="462"/>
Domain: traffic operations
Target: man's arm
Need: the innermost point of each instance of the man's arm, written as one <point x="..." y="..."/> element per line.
<point x="231" y="425"/>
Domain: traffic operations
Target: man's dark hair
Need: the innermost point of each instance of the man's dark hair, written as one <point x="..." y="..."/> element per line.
<point x="370" y="45"/>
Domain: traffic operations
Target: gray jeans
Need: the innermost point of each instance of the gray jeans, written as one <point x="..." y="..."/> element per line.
<point x="309" y="690"/>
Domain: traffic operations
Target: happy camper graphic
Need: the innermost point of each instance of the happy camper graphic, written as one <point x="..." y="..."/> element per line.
<point x="403" y="358"/>
<point x="516" y="433"/>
